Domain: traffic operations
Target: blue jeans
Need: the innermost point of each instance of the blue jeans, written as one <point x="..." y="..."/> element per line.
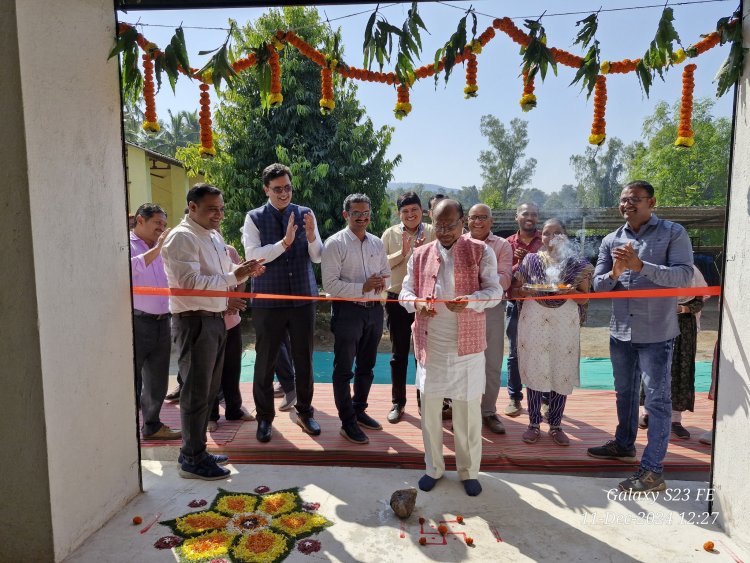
<point x="652" y="362"/>
<point x="515" y="387"/>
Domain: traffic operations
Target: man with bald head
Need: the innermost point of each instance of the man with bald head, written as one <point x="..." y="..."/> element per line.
<point x="449" y="283"/>
<point x="480" y="228"/>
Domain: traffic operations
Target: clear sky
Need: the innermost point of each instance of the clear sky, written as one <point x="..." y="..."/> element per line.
<point x="440" y="140"/>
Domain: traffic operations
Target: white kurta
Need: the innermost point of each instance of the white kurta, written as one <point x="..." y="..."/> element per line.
<point x="446" y="374"/>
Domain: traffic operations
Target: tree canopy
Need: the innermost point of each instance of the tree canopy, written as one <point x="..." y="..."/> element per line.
<point x="330" y="156"/>
<point x="505" y="169"/>
<point x="180" y="131"/>
<point x="598" y="174"/>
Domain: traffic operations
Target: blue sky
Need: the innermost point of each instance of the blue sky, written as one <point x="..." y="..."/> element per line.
<point x="440" y="140"/>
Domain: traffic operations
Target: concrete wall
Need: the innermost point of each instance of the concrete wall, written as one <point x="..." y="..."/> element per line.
<point x="732" y="440"/>
<point x="70" y="363"/>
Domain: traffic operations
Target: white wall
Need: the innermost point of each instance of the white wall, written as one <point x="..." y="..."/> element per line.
<point x="78" y="217"/>
<point x="732" y="442"/>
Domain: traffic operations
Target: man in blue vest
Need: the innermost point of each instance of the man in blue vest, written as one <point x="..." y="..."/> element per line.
<point x="286" y="236"/>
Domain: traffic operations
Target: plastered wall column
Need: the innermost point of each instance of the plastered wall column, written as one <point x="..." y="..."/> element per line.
<point x="69" y="435"/>
<point x="732" y="442"/>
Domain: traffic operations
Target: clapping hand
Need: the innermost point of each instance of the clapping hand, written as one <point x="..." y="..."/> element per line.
<point x="626" y="258"/>
<point x="291" y="232"/>
<point x="374" y="283"/>
<point x="250" y="269"/>
<point x="309" y="220"/>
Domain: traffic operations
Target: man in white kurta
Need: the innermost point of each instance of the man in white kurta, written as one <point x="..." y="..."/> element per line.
<point x="432" y="288"/>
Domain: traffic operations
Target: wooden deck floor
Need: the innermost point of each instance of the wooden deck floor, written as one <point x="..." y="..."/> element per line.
<point x="589" y="420"/>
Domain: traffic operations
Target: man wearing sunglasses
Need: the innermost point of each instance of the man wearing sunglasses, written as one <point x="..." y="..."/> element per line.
<point x="645" y="253"/>
<point x="286" y="236"/>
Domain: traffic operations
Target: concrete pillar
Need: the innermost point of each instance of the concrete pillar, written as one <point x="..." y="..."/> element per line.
<point x="70" y="457"/>
<point x="139" y="178"/>
<point x="732" y="441"/>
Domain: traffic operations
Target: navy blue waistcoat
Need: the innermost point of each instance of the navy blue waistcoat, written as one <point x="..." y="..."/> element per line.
<point x="291" y="273"/>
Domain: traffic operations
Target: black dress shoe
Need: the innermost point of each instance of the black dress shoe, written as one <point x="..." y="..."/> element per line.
<point x="264" y="431"/>
<point x="364" y="419"/>
<point x="308" y="424"/>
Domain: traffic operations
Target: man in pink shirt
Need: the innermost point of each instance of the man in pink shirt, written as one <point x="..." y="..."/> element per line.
<point x="151" y="329"/>
<point x="480" y="228"/>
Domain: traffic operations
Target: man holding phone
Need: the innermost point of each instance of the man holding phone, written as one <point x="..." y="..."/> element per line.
<point x="355" y="267"/>
<point x="195" y="257"/>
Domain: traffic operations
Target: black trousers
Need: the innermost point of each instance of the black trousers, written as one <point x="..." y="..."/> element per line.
<point x="230" y="377"/>
<point x="271" y="325"/>
<point x="153" y="344"/>
<point x="357" y="331"/>
<point x="399" y="323"/>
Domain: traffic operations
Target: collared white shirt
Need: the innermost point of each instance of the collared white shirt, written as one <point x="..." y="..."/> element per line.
<point x="348" y="262"/>
<point x="270" y="252"/>
<point x="197" y="258"/>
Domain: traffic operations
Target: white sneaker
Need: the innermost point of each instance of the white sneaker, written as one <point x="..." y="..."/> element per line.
<point x="290" y="399"/>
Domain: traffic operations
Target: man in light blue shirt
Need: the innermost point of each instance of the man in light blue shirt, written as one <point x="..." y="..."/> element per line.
<point x="645" y="253"/>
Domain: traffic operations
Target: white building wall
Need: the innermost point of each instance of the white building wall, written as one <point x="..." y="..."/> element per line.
<point x="732" y="440"/>
<point x="78" y="217"/>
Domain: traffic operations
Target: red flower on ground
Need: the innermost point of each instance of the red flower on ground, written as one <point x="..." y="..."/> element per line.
<point x="167" y="542"/>
<point x="197" y="503"/>
<point x="262" y="489"/>
<point x="308" y="546"/>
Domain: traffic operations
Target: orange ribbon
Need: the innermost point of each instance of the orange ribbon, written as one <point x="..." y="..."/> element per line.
<point x="623" y="294"/>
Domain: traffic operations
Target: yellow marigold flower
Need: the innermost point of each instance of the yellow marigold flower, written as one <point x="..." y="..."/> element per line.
<point x="402" y="109"/>
<point x="206" y="152"/>
<point x="151" y="127"/>
<point x="278" y="45"/>
<point x="476" y="46"/>
<point x="151" y="47"/>
<point x="470" y="91"/>
<point x="604" y="67"/>
<point x="679" y="56"/>
<point x="597" y="139"/>
<point x="208" y="77"/>
<point x="333" y="64"/>
<point x="686" y="142"/>
<point x="527" y="102"/>
<point x="275" y="100"/>
<point x="326" y="106"/>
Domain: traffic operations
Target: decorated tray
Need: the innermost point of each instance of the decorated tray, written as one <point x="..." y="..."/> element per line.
<point x="547" y="288"/>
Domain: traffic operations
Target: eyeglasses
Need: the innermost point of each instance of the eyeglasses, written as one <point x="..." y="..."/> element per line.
<point x="631" y="200"/>
<point x="478" y="218"/>
<point x="359" y="214"/>
<point x="447" y="228"/>
<point x="278" y="190"/>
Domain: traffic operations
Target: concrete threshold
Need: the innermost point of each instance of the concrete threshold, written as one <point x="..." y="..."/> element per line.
<point x="518" y="517"/>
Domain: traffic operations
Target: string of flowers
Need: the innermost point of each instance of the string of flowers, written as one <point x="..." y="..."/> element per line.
<point x="403" y="107"/>
<point x="207" y="135"/>
<point x="326" y="91"/>
<point x="151" y="124"/>
<point x="276" y="97"/>
<point x="685" y="135"/>
<point x="471" y="88"/>
<point x="528" y="100"/>
<point x="598" y="127"/>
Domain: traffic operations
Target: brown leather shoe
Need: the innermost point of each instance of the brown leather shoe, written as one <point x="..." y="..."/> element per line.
<point x="559" y="437"/>
<point x="494" y="424"/>
<point x="164" y="433"/>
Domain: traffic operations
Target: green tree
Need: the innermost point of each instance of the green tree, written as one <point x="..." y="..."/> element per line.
<point x="505" y="169"/>
<point x="683" y="177"/>
<point x="181" y="131"/>
<point x="532" y="195"/>
<point x="330" y="156"/>
<point x="468" y="196"/>
<point x="598" y="174"/>
<point x="566" y="198"/>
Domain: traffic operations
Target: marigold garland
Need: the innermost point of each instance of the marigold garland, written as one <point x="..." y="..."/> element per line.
<point x="326" y="91"/>
<point x="470" y="91"/>
<point x="403" y="107"/>
<point x="598" y="127"/>
<point x="150" y="125"/>
<point x="204" y="119"/>
<point x="276" y="97"/>
<point x="685" y="135"/>
<point x="528" y="100"/>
